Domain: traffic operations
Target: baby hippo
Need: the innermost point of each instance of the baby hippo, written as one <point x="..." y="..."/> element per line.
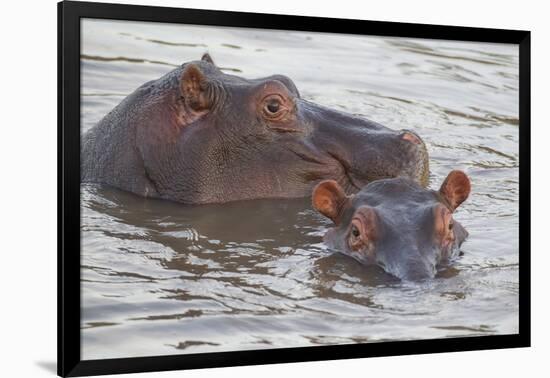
<point x="395" y="223"/>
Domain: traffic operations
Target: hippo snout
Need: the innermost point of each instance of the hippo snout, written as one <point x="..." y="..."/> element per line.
<point x="397" y="153"/>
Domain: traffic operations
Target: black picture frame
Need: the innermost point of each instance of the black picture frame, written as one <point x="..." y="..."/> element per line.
<point x="69" y="15"/>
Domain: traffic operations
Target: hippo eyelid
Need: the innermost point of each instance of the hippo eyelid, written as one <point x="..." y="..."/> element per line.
<point x="278" y="87"/>
<point x="287" y="83"/>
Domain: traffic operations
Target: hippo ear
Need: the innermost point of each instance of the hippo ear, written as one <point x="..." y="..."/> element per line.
<point x="329" y="199"/>
<point x="207" y="58"/>
<point x="456" y="188"/>
<point x="194" y="87"/>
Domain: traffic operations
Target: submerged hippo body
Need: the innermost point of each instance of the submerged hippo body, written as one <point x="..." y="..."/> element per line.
<point x="395" y="223"/>
<point x="197" y="135"/>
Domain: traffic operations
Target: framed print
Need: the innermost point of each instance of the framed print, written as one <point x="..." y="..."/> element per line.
<point x="239" y="188"/>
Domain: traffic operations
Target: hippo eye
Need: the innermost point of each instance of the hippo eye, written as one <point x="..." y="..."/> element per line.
<point x="354" y="240"/>
<point x="273" y="106"/>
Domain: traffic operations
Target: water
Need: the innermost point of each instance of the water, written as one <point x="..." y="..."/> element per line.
<point x="159" y="278"/>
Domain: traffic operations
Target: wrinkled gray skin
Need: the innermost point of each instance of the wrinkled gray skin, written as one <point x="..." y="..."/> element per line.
<point x="198" y="135"/>
<point x="397" y="224"/>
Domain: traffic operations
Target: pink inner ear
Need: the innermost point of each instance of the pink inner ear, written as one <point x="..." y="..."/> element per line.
<point x="193" y="87"/>
<point x="411" y="138"/>
<point x="456" y="188"/>
<point x="192" y="77"/>
<point x="328" y="198"/>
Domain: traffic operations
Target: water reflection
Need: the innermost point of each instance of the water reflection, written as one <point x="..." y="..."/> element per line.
<point x="123" y="59"/>
<point x="247" y="236"/>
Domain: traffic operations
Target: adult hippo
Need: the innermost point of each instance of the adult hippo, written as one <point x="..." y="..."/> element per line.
<point x="395" y="223"/>
<point x="198" y="135"/>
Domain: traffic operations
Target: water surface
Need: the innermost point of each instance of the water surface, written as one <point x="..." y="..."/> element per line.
<point x="161" y="278"/>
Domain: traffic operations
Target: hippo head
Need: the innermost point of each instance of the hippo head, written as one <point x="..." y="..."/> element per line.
<point x="395" y="223"/>
<point x="222" y="137"/>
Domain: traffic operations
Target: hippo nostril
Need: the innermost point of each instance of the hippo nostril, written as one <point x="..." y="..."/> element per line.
<point x="410" y="137"/>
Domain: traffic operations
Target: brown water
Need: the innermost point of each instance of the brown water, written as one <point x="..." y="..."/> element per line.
<point x="160" y="278"/>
